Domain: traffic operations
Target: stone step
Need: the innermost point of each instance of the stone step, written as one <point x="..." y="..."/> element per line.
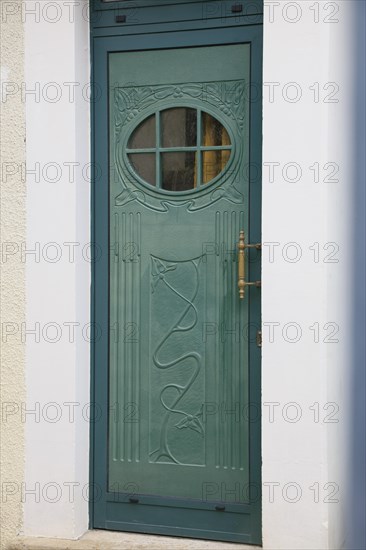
<point x="108" y="540"/>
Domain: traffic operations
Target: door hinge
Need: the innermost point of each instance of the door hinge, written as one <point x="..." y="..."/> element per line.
<point x="259" y="338"/>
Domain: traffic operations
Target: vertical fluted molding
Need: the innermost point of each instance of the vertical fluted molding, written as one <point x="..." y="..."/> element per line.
<point x="218" y="287"/>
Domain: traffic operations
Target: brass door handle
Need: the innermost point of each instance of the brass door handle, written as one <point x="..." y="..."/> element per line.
<point x="242" y="283"/>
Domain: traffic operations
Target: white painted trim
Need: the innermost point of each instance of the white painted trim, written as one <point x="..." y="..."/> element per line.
<point x="305" y="57"/>
<point x="57" y="62"/>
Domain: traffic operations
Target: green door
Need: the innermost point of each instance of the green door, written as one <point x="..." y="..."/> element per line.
<point x="182" y="429"/>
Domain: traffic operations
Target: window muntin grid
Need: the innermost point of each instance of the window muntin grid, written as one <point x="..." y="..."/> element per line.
<point x="179" y="149"/>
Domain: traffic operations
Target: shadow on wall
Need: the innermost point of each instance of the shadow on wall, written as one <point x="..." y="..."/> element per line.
<point x="356" y="524"/>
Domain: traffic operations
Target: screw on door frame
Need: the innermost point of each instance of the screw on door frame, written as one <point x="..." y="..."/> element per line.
<point x="259" y="338"/>
<point x="220" y="508"/>
<point x="236" y="8"/>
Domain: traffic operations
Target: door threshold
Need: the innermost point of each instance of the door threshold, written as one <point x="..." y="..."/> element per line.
<point x="112" y="540"/>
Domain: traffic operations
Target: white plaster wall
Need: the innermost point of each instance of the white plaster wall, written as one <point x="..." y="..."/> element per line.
<point x="302" y="292"/>
<point x="293" y="292"/>
<point x="57" y="452"/>
<point x="309" y="452"/>
<point x="343" y="144"/>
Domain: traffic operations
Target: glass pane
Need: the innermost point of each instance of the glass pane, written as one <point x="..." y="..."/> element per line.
<point x="144" y="137"/>
<point x="179" y="127"/>
<point x="178" y="171"/>
<point x="213" y="162"/>
<point x="213" y="132"/>
<point x="144" y="165"/>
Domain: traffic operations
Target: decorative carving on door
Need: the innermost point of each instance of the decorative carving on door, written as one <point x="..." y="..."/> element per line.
<point x="173" y="404"/>
<point x="223" y="101"/>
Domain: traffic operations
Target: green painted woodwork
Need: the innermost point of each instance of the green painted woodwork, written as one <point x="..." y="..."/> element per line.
<point x="180" y="367"/>
<point x="143" y="16"/>
<point x="176" y="374"/>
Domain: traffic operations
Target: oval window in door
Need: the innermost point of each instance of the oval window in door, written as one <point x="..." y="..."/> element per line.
<point x="179" y="149"/>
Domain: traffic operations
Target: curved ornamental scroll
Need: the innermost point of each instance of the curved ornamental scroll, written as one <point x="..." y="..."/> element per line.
<point x="181" y="368"/>
<point x="156" y="170"/>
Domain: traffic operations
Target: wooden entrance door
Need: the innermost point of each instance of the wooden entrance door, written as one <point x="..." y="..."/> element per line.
<point x="177" y="366"/>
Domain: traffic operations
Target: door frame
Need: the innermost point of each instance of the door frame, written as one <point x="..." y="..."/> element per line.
<point x="104" y="41"/>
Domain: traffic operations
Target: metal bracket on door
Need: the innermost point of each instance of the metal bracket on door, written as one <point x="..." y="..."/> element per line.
<point x="242" y="283"/>
<point x="259" y="338"/>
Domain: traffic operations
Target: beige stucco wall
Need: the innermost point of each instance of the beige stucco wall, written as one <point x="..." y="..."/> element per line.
<point x="12" y="305"/>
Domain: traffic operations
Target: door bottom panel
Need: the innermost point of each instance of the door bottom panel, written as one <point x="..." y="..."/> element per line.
<point x="161" y="520"/>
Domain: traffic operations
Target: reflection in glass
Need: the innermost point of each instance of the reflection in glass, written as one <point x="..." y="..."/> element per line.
<point x="144" y="165"/>
<point x="213" y="162"/>
<point x="178" y="171"/>
<point x="179" y="127"/>
<point x="213" y="132"/>
<point x="144" y="137"/>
